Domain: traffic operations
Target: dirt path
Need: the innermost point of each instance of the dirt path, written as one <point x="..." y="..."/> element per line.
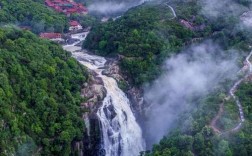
<point x="248" y="68"/>
<point x="216" y="118"/>
<point x="221" y="111"/>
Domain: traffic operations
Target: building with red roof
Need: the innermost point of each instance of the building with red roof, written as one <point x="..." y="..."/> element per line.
<point x="66" y="6"/>
<point x="50" y="35"/>
<point x="74" y="26"/>
<point x="187" y="24"/>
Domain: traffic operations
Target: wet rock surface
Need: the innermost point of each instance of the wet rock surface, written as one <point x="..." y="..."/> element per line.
<point x="134" y="94"/>
<point x="112" y="69"/>
<point x="104" y="118"/>
<point x="110" y="112"/>
<point x="94" y="92"/>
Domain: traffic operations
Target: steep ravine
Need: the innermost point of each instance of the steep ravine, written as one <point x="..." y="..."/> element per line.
<point x="121" y="135"/>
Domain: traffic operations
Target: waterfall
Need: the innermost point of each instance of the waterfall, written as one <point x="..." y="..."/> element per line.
<point x="122" y="136"/>
<point x="121" y="133"/>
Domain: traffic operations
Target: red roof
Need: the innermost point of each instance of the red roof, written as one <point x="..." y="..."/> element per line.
<point x="50" y="35"/>
<point x="74" y="23"/>
<point x="66" y="6"/>
<point x="49" y="3"/>
<point x="72" y="10"/>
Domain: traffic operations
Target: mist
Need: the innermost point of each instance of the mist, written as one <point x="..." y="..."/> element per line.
<point x="246" y="19"/>
<point x="193" y="73"/>
<point x="216" y="8"/>
<point x="112" y="7"/>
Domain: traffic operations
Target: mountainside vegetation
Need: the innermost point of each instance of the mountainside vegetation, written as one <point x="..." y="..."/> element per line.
<point x="146" y="35"/>
<point x="39" y="96"/>
<point x="141" y="37"/>
<point x="40" y="83"/>
<point x="193" y="135"/>
<point x="37" y="17"/>
<point x="32" y="13"/>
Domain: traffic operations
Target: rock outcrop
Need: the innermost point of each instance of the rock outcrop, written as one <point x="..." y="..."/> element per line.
<point x="134" y="94"/>
<point x="94" y="92"/>
<point x="112" y="69"/>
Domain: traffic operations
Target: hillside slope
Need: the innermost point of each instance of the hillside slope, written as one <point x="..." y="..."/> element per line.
<point x="32" y="13"/>
<point x="146" y="35"/>
<point x="39" y="96"/>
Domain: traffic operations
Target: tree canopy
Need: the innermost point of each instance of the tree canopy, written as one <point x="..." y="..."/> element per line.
<point x="40" y="98"/>
<point x="146" y="35"/>
<point x="32" y="13"/>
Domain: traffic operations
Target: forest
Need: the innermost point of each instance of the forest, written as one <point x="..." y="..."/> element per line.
<point x="40" y="98"/>
<point x="40" y="83"/>
<point x="134" y="36"/>
<point x="35" y="16"/>
<point x="148" y="34"/>
<point x="32" y="14"/>
<point x="198" y="138"/>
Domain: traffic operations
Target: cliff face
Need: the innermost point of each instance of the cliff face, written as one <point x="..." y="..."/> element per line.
<point x="94" y="92"/>
<point x="134" y="94"/>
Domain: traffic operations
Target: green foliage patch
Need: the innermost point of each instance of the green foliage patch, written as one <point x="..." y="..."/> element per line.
<point x="32" y="13"/>
<point x="39" y="95"/>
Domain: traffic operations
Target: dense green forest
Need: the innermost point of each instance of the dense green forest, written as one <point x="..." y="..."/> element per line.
<point x="199" y="139"/>
<point x="146" y="35"/>
<point x="135" y="36"/>
<point x="32" y="13"/>
<point x="40" y="82"/>
<point x="193" y="136"/>
<point x="39" y="96"/>
<point x="35" y="15"/>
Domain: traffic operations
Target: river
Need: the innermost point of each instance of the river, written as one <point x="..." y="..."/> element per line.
<point x="121" y="134"/>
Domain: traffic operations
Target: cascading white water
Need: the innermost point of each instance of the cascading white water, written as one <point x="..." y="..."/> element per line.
<point x="121" y="133"/>
<point x="122" y="136"/>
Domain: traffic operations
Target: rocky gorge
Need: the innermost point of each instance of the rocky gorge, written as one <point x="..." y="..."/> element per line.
<point x="110" y="114"/>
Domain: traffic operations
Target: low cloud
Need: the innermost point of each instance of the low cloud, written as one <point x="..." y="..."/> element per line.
<point x="238" y="13"/>
<point x="216" y="8"/>
<point x="246" y="19"/>
<point x="112" y="7"/>
<point x="193" y="73"/>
